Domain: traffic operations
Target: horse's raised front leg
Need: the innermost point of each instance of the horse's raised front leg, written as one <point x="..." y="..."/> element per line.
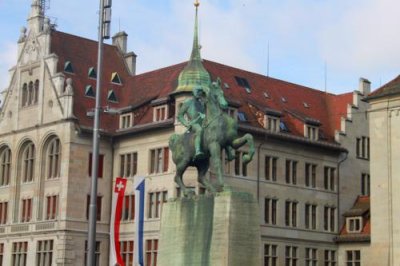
<point x="201" y="177"/>
<point x="230" y="153"/>
<point x="239" y="142"/>
<point x="180" y="169"/>
<point x="215" y="152"/>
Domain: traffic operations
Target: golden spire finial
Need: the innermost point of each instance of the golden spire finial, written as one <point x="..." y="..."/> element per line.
<point x="196" y="3"/>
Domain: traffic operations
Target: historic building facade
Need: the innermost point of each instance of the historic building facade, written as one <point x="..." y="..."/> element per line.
<point x="311" y="161"/>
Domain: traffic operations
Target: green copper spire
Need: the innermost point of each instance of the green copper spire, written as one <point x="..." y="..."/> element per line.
<point x="194" y="74"/>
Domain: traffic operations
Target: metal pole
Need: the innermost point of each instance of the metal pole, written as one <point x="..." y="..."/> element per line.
<point x="91" y="258"/>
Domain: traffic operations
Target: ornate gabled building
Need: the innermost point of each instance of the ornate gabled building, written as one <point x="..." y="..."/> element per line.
<point x="311" y="161"/>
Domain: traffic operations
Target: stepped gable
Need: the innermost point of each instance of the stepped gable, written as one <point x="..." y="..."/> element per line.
<point x="390" y="88"/>
<point x="296" y="103"/>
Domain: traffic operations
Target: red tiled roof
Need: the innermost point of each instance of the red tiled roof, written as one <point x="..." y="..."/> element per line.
<point x="361" y="208"/>
<point x="392" y="87"/>
<point x="301" y="103"/>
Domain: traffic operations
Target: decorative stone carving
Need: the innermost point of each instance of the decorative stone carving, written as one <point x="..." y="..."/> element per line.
<point x="69" y="90"/>
<point x="22" y="35"/>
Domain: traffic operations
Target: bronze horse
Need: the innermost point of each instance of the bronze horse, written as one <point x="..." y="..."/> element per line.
<point x="220" y="132"/>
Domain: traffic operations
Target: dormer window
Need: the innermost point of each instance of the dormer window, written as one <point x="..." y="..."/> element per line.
<point x="242" y="82"/>
<point x="111" y="96"/>
<point x="311" y="132"/>
<point x="115" y="78"/>
<point x="89" y="92"/>
<point x="68" y="67"/>
<point x="354" y="224"/>
<point x="92" y="73"/>
<point x="125" y="120"/>
<point x="160" y="113"/>
<point x="242" y="116"/>
<point x="272" y="123"/>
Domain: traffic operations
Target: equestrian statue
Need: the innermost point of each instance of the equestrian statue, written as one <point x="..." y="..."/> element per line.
<point x="209" y="131"/>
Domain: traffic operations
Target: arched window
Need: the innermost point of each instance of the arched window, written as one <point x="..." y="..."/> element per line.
<point x="28" y="162"/>
<point x="36" y="91"/>
<point x="30" y="93"/>
<point x="53" y="158"/>
<point x="5" y="166"/>
<point x="24" y="95"/>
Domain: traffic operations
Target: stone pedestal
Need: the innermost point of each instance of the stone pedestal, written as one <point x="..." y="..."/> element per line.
<point x="208" y="230"/>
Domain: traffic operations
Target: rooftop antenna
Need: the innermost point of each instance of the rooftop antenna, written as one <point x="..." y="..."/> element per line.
<point x="268" y="59"/>
<point x="326" y="75"/>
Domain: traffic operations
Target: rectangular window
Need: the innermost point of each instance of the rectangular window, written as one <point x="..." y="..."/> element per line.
<point x="272" y="123"/>
<point x="291" y="172"/>
<point x="270" y="255"/>
<point x="311" y="257"/>
<point x="329" y="218"/>
<point x="156" y="200"/>
<point x="365" y="184"/>
<point x="329" y="178"/>
<point x="151" y="252"/>
<point x="353" y="258"/>
<point x="51" y="207"/>
<point x="311" y="132"/>
<point x="291" y="213"/>
<point x="26" y="210"/>
<point x="270" y="168"/>
<point x="19" y="253"/>
<point x="96" y="253"/>
<point x="44" y="253"/>
<point x="310" y="216"/>
<point x="291" y="256"/>
<point x="127" y="248"/>
<point x="329" y="257"/>
<point x="98" y="210"/>
<point x="128" y="164"/>
<point x="354" y="224"/>
<point x="159" y="159"/>
<point x="362" y="147"/>
<point x="160" y="113"/>
<point x="240" y="166"/>
<point x="128" y="209"/>
<point x="270" y="210"/>
<point x="3" y="212"/>
<point x="100" y="165"/>
<point x="311" y="175"/>
<point x="1" y="253"/>
<point x="125" y="121"/>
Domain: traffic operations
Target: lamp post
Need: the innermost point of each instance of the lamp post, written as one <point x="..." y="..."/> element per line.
<point x="103" y="33"/>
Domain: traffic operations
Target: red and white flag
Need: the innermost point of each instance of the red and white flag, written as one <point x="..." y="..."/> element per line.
<point x="116" y="212"/>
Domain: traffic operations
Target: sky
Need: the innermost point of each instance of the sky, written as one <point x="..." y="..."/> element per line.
<point x="322" y="44"/>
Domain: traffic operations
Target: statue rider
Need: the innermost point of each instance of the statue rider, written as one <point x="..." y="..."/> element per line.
<point x="194" y="109"/>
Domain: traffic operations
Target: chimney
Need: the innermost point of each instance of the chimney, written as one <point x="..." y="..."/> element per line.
<point x="130" y="59"/>
<point x="364" y="86"/>
<point x="120" y="40"/>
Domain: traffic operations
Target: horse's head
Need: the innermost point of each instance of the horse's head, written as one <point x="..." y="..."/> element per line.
<point x="216" y="94"/>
